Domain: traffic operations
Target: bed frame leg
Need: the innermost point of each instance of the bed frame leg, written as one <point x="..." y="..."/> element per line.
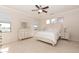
<point x="53" y="45"/>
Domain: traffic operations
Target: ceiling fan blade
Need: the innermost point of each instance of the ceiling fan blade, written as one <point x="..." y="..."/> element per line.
<point x="45" y="7"/>
<point x="44" y="11"/>
<point x="37" y="6"/>
<point x="40" y="6"/>
<point x="34" y="10"/>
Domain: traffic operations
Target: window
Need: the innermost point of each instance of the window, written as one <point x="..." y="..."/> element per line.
<point x="35" y="27"/>
<point x="60" y="19"/>
<point x="55" y="20"/>
<point x="5" y="21"/>
<point x="48" y="22"/>
<point x="5" y="27"/>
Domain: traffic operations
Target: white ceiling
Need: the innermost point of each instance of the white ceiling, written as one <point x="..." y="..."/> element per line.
<point x="53" y="9"/>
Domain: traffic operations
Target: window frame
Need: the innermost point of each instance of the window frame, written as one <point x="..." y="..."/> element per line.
<point x="5" y="31"/>
<point x="57" y="20"/>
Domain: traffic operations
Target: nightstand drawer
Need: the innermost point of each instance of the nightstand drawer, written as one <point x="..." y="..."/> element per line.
<point x="66" y="35"/>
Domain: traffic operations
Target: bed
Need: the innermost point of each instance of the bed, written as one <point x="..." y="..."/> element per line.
<point x="48" y="35"/>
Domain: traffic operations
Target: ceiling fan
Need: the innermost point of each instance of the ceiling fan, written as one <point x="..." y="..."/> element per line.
<point x="41" y="9"/>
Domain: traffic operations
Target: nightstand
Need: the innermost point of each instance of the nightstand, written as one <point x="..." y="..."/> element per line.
<point x="65" y="35"/>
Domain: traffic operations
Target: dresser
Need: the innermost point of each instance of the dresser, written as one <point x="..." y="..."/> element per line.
<point x="0" y="39"/>
<point x="24" y="34"/>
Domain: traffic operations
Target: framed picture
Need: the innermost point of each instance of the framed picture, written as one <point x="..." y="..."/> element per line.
<point x="24" y="24"/>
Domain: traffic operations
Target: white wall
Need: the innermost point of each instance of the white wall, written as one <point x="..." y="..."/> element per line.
<point x="71" y="22"/>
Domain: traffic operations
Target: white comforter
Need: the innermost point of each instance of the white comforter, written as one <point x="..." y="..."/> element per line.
<point x="50" y="35"/>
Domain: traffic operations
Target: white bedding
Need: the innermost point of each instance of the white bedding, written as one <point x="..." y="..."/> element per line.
<point x="50" y="36"/>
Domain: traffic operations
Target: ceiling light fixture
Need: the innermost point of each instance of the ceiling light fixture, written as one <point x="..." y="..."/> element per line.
<point x="40" y="10"/>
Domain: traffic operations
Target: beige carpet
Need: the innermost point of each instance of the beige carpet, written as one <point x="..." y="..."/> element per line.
<point x="34" y="46"/>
